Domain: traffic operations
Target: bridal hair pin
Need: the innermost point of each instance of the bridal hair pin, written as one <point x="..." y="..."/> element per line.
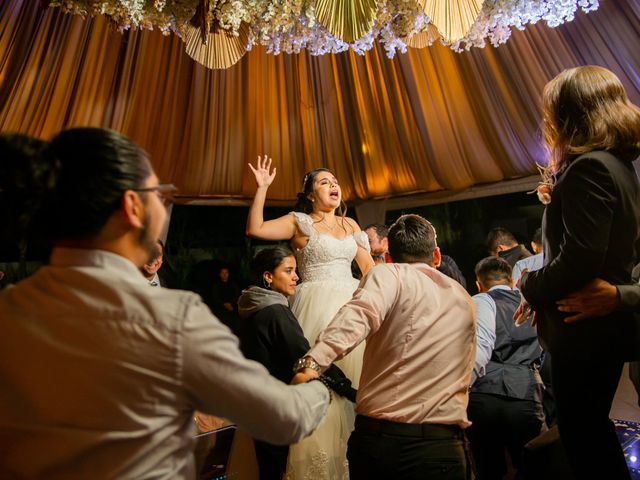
<point x="304" y="181"/>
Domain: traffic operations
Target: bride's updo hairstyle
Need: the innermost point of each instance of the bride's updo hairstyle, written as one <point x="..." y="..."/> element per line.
<point x="303" y="204"/>
<point x="267" y="260"/>
<point x="76" y="182"/>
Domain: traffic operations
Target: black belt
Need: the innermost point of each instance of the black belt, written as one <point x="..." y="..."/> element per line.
<point x="424" y="430"/>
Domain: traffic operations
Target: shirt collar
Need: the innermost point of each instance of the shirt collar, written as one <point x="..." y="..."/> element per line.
<point x="79" y="257"/>
<point x="500" y="287"/>
<point x="155" y="279"/>
<point x="423" y="266"/>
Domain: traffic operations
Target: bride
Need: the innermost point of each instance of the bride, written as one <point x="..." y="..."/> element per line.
<point x="325" y="244"/>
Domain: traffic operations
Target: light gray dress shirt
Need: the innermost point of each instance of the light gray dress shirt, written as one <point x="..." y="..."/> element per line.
<point x="486" y="329"/>
<point x="100" y="376"/>
<point x="532" y="263"/>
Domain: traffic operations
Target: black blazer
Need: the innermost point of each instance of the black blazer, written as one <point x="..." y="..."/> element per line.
<point x="591" y="229"/>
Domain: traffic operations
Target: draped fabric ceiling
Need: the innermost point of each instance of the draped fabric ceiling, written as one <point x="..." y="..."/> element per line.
<point x="431" y="120"/>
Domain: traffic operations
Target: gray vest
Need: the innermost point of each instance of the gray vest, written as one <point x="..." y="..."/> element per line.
<point x="511" y="371"/>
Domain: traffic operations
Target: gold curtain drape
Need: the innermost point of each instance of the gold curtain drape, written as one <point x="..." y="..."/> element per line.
<point x="429" y="120"/>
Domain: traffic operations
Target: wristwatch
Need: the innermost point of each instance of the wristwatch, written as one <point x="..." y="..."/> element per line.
<point x="306" y="362"/>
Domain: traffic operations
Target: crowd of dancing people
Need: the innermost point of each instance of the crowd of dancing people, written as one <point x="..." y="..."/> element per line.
<point x="400" y="373"/>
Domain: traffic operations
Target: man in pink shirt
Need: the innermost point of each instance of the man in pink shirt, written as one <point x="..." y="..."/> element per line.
<point x="420" y="330"/>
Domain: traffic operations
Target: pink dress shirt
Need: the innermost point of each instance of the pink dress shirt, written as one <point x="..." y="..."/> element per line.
<point x="420" y="330"/>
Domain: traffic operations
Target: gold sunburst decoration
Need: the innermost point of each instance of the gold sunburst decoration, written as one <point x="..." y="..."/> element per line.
<point x="222" y="49"/>
<point x="210" y="45"/>
<point x="453" y="18"/>
<point x="423" y="39"/>
<point x="347" y="20"/>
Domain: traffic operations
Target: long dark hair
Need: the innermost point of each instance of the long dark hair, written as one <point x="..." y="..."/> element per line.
<point x="303" y="204"/>
<point x="267" y="260"/>
<point x="79" y="181"/>
<point x="586" y="109"/>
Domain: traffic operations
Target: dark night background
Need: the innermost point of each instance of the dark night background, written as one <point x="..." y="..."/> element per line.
<point x="203" y="238"/>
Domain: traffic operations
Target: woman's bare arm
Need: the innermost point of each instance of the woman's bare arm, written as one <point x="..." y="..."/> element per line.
<point x="282" y="228"/>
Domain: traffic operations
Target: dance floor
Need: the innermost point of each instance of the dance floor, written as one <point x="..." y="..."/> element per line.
<point x="629" y="436"/>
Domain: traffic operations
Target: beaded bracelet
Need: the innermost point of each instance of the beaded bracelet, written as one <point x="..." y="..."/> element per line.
<point x="324" y="381"/>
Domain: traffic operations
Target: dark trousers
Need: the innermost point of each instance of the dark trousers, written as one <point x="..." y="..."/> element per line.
<point x="272" y="460"/>
<point x="634" y="376"/>
<point x="383" y="449"/>
<point x="584" y="391"/>
<point x="548" y="402"/>
<point x="499" y="423"/>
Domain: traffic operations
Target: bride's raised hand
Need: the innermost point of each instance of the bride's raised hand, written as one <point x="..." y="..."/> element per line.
<point x="261" y="171"/>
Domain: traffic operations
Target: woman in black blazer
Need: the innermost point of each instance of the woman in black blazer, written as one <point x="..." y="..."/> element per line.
<point x="591" y="229"/>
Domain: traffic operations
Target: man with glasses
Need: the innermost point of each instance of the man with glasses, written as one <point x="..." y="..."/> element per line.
<point x="100" y="374"/>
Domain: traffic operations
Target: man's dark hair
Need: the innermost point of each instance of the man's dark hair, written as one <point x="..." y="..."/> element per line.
<point x="382" y="231"/>
<point x="500" y="236"/>
<point x="267" y="260"/>
<point x="492" y="271"/>
<point x="412" y="239"/>
<point x="96" y="166"/>
<point x="537" y="237"/>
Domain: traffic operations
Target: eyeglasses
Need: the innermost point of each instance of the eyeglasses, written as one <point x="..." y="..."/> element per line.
<point x="165" y="192"/>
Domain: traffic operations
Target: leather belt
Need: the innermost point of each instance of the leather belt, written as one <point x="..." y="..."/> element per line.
<point x="424" y="430"/>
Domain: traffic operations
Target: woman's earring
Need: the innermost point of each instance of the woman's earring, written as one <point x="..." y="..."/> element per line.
<point x="266" y="284"/>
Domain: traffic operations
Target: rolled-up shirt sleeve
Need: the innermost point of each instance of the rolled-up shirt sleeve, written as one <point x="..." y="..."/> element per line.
<point x="358" y="318"/>
<point x="223" y="382"/>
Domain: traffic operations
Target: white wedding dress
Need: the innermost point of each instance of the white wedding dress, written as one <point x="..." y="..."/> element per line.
<point x="324" y="265"/>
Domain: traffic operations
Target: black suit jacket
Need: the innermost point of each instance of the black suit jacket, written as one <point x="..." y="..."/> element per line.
<point x="591" y="229"/>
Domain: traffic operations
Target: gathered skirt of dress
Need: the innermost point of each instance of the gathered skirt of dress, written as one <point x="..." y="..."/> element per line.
<point x="323" y="455"/>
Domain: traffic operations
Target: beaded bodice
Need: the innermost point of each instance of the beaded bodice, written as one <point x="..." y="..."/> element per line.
<point x="325" y="257"/>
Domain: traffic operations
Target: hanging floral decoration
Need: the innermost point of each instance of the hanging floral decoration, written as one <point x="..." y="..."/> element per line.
<point x="290" y="26"/>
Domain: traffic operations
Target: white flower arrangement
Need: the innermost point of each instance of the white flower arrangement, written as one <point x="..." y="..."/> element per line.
<point x="290" y="25"/>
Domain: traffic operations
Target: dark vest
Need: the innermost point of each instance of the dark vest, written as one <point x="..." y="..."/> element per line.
<point x="511" y="371"/>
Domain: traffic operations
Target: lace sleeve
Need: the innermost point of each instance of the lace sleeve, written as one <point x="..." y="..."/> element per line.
<point x="304" y="223"/>
<point x="362" y="240"/>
